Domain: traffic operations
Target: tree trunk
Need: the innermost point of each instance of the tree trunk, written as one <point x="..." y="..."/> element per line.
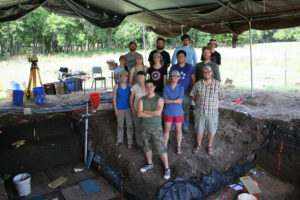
<point x="11" y="52"/>
<point x="88" y="45"/>
<point x="44" y="45"/>
<point x="7" y="41"/>
<point x="16" y="48"/>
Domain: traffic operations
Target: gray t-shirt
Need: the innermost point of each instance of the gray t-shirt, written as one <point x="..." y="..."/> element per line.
<point x="138" y="93"/>
<point x="131" y="60"/>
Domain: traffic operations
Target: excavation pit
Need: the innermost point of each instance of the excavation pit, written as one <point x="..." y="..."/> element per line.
<point x="256" y="130"/>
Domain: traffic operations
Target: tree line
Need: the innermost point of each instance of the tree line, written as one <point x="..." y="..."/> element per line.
<point x="42" y="32"/>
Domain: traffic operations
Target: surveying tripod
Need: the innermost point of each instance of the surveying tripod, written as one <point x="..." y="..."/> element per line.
<point x="32" y="77"/>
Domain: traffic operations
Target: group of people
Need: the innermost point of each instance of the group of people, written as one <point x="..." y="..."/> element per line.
<point x="154" y="106"/>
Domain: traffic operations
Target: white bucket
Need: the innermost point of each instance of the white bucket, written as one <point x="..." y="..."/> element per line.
<point x="23" y="184"/>
<point x="246" y="196"/>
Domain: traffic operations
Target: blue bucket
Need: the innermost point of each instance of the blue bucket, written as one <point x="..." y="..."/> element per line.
<point x="71" y="85"/>
<point x="18" y="97"/>
<point x="39" y="95"/>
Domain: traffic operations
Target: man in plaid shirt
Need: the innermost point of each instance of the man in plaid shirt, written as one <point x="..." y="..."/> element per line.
<point x="206" y="93"/>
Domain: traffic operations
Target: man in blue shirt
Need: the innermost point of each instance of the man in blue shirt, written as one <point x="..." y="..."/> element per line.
<point x="191" y="57"/>
<point x="187" y="80"/>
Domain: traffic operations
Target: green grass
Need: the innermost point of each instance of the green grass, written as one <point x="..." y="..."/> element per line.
<point x="268" y="65"/>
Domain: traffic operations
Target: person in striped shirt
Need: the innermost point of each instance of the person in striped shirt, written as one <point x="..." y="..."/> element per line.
<point x="206" y="93"/>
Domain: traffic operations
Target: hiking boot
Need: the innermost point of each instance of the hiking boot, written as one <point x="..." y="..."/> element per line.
<point x="146" y="167"/>
<point x="167" y="174"/>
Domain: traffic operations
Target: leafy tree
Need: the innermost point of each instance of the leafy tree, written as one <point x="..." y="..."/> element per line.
<point x="44" y="32"/>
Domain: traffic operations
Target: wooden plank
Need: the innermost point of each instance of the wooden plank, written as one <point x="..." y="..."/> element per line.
<point x="250" y="185"/>
<point x="57" y="182"/>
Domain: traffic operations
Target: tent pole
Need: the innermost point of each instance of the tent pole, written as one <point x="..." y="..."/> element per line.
<point x="285" y="68"/>
<point x="86" y="133"/>
<point x="251" y="66"/>
<point x="144" y="41"/>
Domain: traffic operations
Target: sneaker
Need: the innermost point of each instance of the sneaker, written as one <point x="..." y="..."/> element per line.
<point x="167" y="174"/>
<point x="146" y="167"/>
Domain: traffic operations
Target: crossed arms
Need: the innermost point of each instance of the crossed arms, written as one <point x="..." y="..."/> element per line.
<point x="150" y="113"/>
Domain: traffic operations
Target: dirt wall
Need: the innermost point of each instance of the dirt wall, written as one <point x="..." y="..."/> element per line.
<point x="238" y="136"/>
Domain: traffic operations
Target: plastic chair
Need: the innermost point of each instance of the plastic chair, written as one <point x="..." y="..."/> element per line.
<point x="97" y="76"/>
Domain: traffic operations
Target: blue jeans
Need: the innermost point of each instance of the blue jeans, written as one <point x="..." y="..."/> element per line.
<point x="186" y="103"/>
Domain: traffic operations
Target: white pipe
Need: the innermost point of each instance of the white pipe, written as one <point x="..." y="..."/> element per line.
<point x="86" y="133"/>
<point x="251" y="67"/>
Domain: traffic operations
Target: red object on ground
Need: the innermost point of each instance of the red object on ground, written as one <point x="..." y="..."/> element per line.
<point x="239" y="101"/>
<point x="95" y="99"/>
<point x="120" y="196"/>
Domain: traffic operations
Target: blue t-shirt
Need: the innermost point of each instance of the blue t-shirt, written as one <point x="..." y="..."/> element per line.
<point x="123" y="96"/>
<point x="173" y="109"/>
<point x="117" y="71"/>
<point x="185" y="75"/>
<point x="191" y="57"/>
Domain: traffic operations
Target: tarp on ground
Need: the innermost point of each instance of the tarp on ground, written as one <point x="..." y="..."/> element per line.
<point x="169" y="17"/>
<point x="63" y="107"/>
<point x="199" y="188"/>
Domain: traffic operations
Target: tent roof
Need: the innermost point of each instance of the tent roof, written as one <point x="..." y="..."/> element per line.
<point x="169" y="18"/>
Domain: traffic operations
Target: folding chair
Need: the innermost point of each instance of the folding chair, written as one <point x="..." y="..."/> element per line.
<point x="97" y="76"/>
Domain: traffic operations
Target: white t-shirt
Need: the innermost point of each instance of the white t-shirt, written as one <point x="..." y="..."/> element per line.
<point x="138" y="93"/>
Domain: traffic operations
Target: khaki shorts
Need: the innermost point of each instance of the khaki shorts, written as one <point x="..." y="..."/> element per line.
<point x="205" y="121"/>
<point x="153" y="137"/>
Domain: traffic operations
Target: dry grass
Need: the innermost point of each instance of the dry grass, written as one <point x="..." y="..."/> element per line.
<point x="268" y="66"/>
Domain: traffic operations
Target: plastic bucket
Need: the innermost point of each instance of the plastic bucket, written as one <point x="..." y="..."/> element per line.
<point x="78" y="84"/>
<point x="95" y="100"/>
<point x="59" y="88"/>
<point x="39" y="95"/>
<point x="23" y="184"/>
<point x="18" y="97"/>
<point x="246" y="196"/>
<point x="71" y="85"/>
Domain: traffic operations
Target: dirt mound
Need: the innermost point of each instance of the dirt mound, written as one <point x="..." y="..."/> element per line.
<point x="265" y="104"/>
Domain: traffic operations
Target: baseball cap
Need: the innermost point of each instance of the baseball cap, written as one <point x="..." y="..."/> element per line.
<point x="124" y="72"/>
<point x="139" y="56"/>
<point x="213" y="41"/>
<point x="175" y="73"/>
<point x="207" y="67"/>
<point x="157" y="54"/>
